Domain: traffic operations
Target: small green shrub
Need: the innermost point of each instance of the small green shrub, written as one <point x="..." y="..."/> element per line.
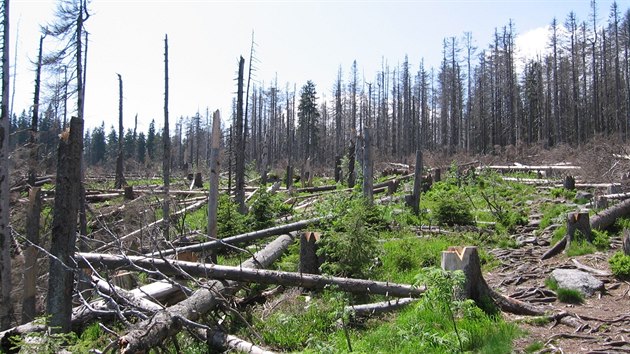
<point x="562" y="192"/>
<point x="601" y="240"/>
<point x="349" y="247"/>
<point x="452" y="210"/>
<point x="620" y="265"/>
<point x="569" y="296"/>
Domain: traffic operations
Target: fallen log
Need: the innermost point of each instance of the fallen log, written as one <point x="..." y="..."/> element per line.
<point x="242" y="238"/>
<point x="150" y="333"/>
<point x="247" y="274"/>
<point x="223" y="342"/>
<point x="379" y="307"/>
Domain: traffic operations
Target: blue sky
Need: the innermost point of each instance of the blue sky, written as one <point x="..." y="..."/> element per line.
<point x="296" y="41"/>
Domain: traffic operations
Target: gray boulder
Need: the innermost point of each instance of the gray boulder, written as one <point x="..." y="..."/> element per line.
<point x="577" y="280"/>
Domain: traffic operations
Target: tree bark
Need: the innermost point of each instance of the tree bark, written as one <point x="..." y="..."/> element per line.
<point x="625" y="242"/>
<point x="166" y="160"/>
<point x="378" y="308"/>
<point x="150" y="333"/>
<point x="223" y="342"/>
<point x="368" y="167"/>
<point x="64" y="228"/>
<point x="240" y="146"/>
<point x="120" y="177"/>
<point x="250" y="274"/>
<point x="309" y="262"/>
<point x="6" y="307"/>
<point x="31" y="255"/>
<point x="213" y="197"/>
<point x="417" y="183"/>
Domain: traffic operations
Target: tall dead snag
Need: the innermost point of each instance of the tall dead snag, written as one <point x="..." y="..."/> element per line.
<point x="213" y="197"/>
<point x="120" y="177"/>
<point x="5" y="231"/>
<point x="34" y="208"/>
<point x="240" y="144"/>
<point x="64" y="228"/>
<point x="150" y="333"/>
<point x="368" y="167"/>
<point x="166" y="160"/>
<point x="351" y="160"/>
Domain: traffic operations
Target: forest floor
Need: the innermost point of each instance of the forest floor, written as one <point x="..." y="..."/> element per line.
<point x="519" y="270"/>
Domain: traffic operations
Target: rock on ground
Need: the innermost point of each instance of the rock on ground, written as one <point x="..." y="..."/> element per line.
<point x="577" y="280"/>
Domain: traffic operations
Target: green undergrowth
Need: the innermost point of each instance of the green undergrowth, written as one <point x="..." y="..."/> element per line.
<point x="620" y="265"/>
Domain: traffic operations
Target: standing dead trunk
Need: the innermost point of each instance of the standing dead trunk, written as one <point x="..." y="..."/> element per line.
<point x="368" y="167"/>
<point x="31" y="255"/>
<point x="579" y="222"/>
<point x="351" y="175"/>
<point x="569" y="183"/>
<point x="5" y="231"/>
<point x="120" y="177"/>
<point x="309" y="263"/>
<point x="626" y="242"/>
<point x="166" y="160"/>
<point x="417" y="184"/>
<point x="64" y="228"/>
<point x="33" y="214"/>
<point x="213" y="197"/>
<point x="240" y="146"/>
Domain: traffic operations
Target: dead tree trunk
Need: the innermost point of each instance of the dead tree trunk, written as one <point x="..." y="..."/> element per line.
<point x="33" y="214"/>
<point x="222" y="342"/>
<point x="368" y="167"/>
<point x="120" y="177"/>
<point x="5" y="231"/>
<point x="250" y="274"/>
<point x="166" y="160"/>
<point x="65" y="212"/>
<point x="414" y="199"/>
<point x="626" y="242"/>
<point x="569" y="183"/>
<point x="213" y="197"/>
<point x="309" y="262"/>
<point x="240" y="145"/>
<point x="351" y="175"/>
<point x="31" y="255"/>
<point x="150" y="333"/>
<point x="380" y="307"/>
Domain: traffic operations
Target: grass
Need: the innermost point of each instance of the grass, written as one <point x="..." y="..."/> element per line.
<point x="569" y="296"/>
<point x="534" y="347"/>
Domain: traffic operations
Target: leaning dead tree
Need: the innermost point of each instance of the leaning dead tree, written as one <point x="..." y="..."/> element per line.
<point x="64" y="228"/>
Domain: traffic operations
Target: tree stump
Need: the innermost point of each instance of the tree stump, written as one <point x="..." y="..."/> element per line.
<point x="309" y="263"/>
<point x="198" y="182"/>
<point x="128" y="192"/>
<point x="289" y="179"/>
<point x="337" y="168"/>
<point x="578" y="221"/>
<point x="626" y="242"/>
<point x="614" y="188"/>
<point x="437" y="175"/>
<point x="569" y="183"/>
<point x="467" y="260"/>
<point x="392" y="186"/>
<point x="601" y="202"/>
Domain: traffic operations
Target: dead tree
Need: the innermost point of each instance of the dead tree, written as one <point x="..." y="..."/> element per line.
<point x="413" y="200"/>
<point x="250" y="274"/>
<point x="166" y="160"/>
<point x="150" y="333"/>
<point x="33" y="214"/>
<point x="5" y="232"/>
<point x="213" y="198"/>
<point x="120" y="177"/>
<point x="368" y="167"/>
<point x="64" y="228"/>
<point x="240" y="145"/>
